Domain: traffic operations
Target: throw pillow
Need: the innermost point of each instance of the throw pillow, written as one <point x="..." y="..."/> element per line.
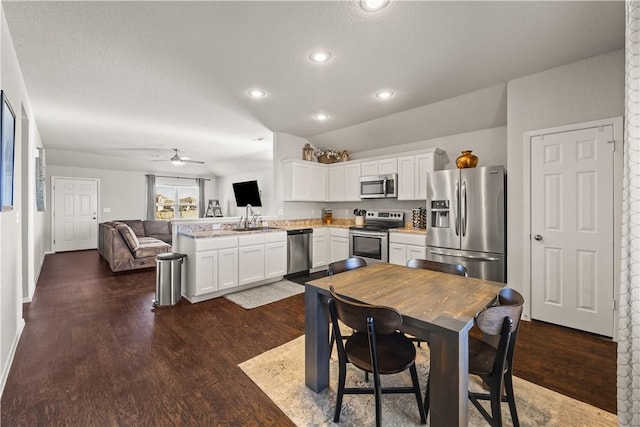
<point x="129" y="237"/>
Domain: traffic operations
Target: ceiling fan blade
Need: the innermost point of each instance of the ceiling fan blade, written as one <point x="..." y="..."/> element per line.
<point x="192" y="161"/>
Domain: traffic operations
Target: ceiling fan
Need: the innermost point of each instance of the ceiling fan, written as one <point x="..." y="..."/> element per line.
<point x="179" y="160"/>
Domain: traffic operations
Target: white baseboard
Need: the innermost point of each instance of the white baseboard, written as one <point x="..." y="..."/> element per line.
<point x="7" y="366"/>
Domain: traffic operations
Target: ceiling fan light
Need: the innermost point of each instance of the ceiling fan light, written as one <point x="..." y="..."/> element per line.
<point x="177" y="162"/>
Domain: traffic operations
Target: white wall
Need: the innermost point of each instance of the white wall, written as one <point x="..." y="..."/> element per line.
<point x="12" y="280"/>
<point x="587" y="90"/>
<point x="124" y="193"/>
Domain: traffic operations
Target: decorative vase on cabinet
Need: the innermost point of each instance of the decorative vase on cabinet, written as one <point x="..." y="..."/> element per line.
<point x="466" y="160"/>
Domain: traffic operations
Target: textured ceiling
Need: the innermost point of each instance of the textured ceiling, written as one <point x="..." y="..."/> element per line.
<point x="109" y="77"/>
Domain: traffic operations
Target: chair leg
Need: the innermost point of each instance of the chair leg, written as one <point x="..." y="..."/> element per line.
<point x="496" y="400"/>
<point x="342" y="376"/>
<point x="377" y="391"/>
<point x="332" y="340"/>
<point x="416" y="387"/>
<point x="426" y="397"/>
<point x="508" y="385"/>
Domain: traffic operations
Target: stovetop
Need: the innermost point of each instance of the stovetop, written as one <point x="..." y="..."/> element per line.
<point x="381" y="221"/>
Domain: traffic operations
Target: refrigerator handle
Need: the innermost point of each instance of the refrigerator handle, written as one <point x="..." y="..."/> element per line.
<point x="455" y="208"/>
<point x="463" y="209"/>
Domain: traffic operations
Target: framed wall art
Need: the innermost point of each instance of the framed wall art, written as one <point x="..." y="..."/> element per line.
<point x="41" y="181"/>
<point x="7" y="150"/>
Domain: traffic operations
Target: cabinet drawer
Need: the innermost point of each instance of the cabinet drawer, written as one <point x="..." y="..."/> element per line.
<point x="408" y="239"/>
<point x="251" y="239"/>
<point x="275" y="236"/>
<point x="213" y="243"/>
<point x="320" y="232"/>
<point x="339" y="232"/>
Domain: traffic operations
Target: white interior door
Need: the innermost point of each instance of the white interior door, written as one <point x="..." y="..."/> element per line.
<point x="572" y="282"/>
<point x="75" y="219"/>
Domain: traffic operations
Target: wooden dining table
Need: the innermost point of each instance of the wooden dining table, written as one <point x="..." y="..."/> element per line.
<point x="435" y="306"/>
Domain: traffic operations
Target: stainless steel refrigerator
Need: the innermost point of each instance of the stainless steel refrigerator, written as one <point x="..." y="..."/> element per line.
<point x="466" y="219"/>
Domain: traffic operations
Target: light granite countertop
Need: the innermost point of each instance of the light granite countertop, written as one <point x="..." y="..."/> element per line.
<point x="409" y="230"/>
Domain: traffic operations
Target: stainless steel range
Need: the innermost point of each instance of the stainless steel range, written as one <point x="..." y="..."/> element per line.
<point x="371" y="241"/>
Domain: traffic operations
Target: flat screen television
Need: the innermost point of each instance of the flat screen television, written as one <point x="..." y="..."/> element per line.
<point x="247" y="193"/>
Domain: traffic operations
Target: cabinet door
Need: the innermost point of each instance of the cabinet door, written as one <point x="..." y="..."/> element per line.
<point x="227" y="268"/>
<point x="320" y="258"/>
<point x="418" y="252"/>
<point x="424" y="164"/>
<point x="317" y="183"/>
<point x="406" y="178"/>
<point x="275" y="259"/>
<point x="206" y="272"/>
<point x="397" y="254"/>
<point x="336" y="184"/>
<point x="370" y="168"/>
<point x="339" y="248"/>
<point x="388" y="166"/>
<point x="351" y="190"/>
<point x="250" y="264"/>
<point x="296" y="181"/>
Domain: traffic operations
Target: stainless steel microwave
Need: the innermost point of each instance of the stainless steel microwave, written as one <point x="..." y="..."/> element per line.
<point x="379" y="186"/>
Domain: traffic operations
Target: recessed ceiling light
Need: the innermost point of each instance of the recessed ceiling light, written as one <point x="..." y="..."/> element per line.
<point x="384" y="94"/>
<point x="321" y="117"/>
<point x="373" y="5"/>
<point x="258" y="139"/>
<point x="320" y="55"/>
<point x="257" y="93"/>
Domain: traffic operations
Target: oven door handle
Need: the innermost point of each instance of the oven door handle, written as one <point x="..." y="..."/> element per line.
<point x="368" y="234"/>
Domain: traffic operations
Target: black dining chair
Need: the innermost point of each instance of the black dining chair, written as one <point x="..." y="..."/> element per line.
<point x="376" y="346"/>
<point x="340" y="267"/>
<point x="345" y="265"/>
<point x="493" y="363"/>
<point x="442" y="267"/>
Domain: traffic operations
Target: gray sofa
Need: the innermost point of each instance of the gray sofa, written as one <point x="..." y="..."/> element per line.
<point x="133" y="244"/>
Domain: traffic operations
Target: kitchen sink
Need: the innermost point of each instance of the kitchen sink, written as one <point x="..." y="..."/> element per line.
<point x="256" y="228"/>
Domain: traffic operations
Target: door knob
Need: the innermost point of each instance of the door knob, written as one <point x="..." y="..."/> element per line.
<point x="537" y="237"/>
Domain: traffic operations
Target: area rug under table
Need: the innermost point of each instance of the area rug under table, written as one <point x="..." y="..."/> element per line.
<point x="280" y="375"/>
<point x="265" y="294"/>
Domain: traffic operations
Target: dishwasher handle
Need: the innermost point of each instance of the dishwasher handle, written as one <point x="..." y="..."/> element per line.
<point x="299" y="231"/>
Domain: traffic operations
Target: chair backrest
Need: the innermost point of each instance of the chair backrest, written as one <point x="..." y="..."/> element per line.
<point x="503" y="320"/>
<point x="355" y="315"/>
<point x="345" y="265"/>
<point x="442" y="267"/>
<point x="508" y="296"/>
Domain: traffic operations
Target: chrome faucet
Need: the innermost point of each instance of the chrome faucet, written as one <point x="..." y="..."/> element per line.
<point x="246" y="218"/>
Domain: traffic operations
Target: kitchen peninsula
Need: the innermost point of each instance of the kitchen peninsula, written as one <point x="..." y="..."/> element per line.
<point x="223" y="261"/>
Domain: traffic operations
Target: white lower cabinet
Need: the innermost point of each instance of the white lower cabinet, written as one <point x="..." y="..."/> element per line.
<point x="206" y="273"/>
<point x="218" y="265"/>
<point x="320" y="247"/>
<point x="338" y="244"/>
<point x="227" y="268"/>
<point x="250" y="264"/>
<point x="405" y="246"/>
<point x="275" y="259"/>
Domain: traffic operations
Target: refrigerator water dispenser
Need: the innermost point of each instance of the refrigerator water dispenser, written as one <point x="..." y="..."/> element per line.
<point x="440" y="213"/>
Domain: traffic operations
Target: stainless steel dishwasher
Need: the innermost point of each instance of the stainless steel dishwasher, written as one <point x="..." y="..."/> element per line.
<point x="299" y="250"/>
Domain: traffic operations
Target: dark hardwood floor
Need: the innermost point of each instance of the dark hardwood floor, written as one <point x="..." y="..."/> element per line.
<point x="94" y="352"/>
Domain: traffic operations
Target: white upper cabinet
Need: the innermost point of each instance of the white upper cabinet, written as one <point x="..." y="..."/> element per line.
<point x="336" y="184"/>
<point x="380" y="167"/>
<point x="352" y="182"/>
<point x="412" y="173"/>
<point x="344" y="183"/>
<point x="304" y="181"/>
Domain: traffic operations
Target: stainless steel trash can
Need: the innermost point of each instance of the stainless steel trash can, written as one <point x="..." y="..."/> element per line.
<point x="168" y="278"/>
